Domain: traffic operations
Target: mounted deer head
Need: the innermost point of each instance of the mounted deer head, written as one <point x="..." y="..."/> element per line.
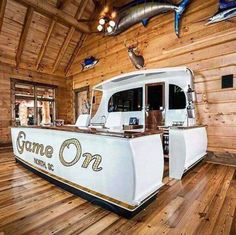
<point x="137" y="60"/>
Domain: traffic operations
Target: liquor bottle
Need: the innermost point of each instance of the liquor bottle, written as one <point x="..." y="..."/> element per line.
<point x="190" y="94"/>
<point x="190" y="110"/>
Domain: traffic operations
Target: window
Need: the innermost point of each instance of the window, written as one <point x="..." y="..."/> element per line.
<point x="32" y="103"/>
<point x="177" y="99"/>
<point x="126" y="101"/>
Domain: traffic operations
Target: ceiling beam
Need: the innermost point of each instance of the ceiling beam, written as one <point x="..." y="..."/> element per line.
<point x="3" y="4"/>
<point x="98" y="8"/>
<point x="47" y="9"/>
<point x="75" y="53"/>
<point x="45" y="43"/>
<point x="63" y="48"/>
<point x="61" y="4"/>
<point x="65" y="45"/>
<point x="24" y="33"/>
<point x="81" y="9"/>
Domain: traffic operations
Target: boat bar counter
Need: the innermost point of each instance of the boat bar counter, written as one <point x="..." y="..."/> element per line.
<point x="115" y="158"/>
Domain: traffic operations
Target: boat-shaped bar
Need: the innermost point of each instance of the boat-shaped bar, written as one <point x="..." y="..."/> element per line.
<point x="115" y="155"/>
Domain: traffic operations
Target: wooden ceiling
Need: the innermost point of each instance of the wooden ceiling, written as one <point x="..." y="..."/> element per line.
<point x="43" y="35"/>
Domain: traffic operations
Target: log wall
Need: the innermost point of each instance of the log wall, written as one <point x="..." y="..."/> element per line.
<point x="210" y="51"/>
<point x="63" y="96"/>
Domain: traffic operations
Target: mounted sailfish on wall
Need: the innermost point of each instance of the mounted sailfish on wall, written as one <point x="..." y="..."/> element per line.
<point x="89" y="62"/>
<point x="227" y="10"/>
<point x="139" y="11"/>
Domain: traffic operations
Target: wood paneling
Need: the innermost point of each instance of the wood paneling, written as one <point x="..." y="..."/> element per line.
<point x="36" y="43"/>
<point x="63" y="48"/>
<point x="45" y="43"/>
<point x="63" y="95"/>
<point x="51" y="11"/>
<point x="61" y="4"/>
<point x="69" y="36"/>
<point x="24" y="33"/>
<point x="75" y="53"/>
<point x="203" y="202"/>
<point x="2" y="11"/>
<point x="210" y="51"/>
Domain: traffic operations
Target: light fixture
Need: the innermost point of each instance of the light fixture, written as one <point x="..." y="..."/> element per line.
<point x="112" y="23"/>
<point x="107" y="21"/>
<point x="109" y="29"/>
<point x="102" y="21"/>
<point x="113" y="14"/>
<point x="100" y="28"/>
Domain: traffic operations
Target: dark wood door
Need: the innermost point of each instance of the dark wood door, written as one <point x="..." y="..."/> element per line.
<point x="155" y="96"/>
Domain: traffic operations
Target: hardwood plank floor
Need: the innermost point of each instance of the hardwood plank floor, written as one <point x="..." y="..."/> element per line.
<point x="203" y="202"/>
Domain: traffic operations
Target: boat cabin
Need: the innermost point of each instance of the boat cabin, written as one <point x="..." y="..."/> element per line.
<point x="145" y="100"/>
<point x="156" y="99"/>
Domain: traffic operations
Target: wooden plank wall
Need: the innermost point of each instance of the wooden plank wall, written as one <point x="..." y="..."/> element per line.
<point x="63" y="95"/>
<point x="35" y="52"/>
<point x="210" y="51"/>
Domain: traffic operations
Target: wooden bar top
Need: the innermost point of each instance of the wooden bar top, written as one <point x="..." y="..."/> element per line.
<point x="164" y="128"/>
<point x="96" y="131"/>
<point x="187" y="127"/>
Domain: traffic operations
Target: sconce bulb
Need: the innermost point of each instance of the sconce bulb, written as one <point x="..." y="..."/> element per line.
<point x="100" y="28"/>
<point x="102" y="21"/>
<point x="109" y="29"/>
<point x="112" y="23"/>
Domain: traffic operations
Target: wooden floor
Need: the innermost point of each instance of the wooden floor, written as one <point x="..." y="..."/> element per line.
<point x="202" y="203"/>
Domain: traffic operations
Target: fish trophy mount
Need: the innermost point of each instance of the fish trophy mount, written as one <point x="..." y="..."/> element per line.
<point x="136" y="59"/>
<point x="121" y="19"/>
<point x="227" y="10"/>
<point x="89" y="62"/>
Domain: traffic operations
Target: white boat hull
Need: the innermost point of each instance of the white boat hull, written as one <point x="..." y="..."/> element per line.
<point x="125" y="172"/>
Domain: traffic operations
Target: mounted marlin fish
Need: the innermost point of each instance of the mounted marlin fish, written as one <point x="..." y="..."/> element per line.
<point x="142" y="11"/>
<point x="222" y="15"/>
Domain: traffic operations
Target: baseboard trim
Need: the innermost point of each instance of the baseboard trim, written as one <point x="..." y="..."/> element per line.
<point x="222" y="158"/>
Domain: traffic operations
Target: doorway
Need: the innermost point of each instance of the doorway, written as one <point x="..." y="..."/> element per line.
<point x="81" y="101"/>
<point x="154" y="105"/>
